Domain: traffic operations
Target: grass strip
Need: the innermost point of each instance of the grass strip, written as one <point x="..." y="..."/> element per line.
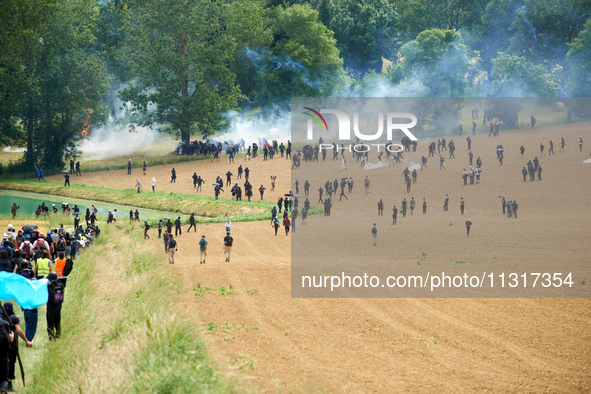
<point x="119" y="330"/>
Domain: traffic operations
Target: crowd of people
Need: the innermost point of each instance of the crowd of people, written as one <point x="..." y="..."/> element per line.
<point x="471" y="175"/>
<point x="35" y="255"/>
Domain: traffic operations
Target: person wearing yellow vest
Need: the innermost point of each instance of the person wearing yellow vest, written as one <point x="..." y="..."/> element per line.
<point x="43" y="266"/>
<point x="60" y="264"/>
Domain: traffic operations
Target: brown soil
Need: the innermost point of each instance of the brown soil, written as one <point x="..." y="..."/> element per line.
<point x="388" y="345"/>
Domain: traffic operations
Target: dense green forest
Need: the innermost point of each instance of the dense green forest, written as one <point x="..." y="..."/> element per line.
<point x="183" y="64"/>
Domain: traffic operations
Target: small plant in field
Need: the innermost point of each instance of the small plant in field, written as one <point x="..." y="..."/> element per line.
<point x="451" y="224"/>
<point x="227" y="290"/>
<point x="211" y="327"/>
<point x="226" y="339"/>
<point x="200" y="290"/>
<point x="252" y="292"/>
<point x="584" y="282"/>
<point x="286" y="333"/>
<point x="424" y="254"/>
<point x="460" y="262"/>
<point x="435" y="341"/>
<point x="227" y="327"/>
<point x="257" y="328"/>
<point x="247" y="362"/>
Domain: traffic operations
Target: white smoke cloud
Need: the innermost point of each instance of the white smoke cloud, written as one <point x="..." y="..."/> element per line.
<point x="114" y="140"/>
<point x="373" y="166"/>
<point x="15" y="150"/>
<point x="275" y="126"/>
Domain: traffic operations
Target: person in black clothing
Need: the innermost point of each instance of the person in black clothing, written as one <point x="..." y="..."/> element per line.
<point x="343" y="184"/>
<point x="446" y="203"/>
<point x="78" y="168"/>
<point x="380" y="208"/>
<point x="6" y="337"/>
<point x="468" y="224"/>
<point x="67" y="181"/>
<point x="177" y="227"/>
<point x="306" y="188"/>
<point x="404" y="203"/>
<point x="195" y="177"/>
<point x="524" y="172"/>
<point x="504" y="206"/>
<point x="240" y="171"/>
<point x="414" y="176"/>
<point x="228" y="178"/>
<point x="246" y="174"/>
<point x="539" y="172"/>
<point x="394" y="214"/>
<point x="146" y="228"/>
<point x="228" y="243"/>
<point x="54" y="306"/>
<point x="192" y="222"/>
<point x="515" y="206"/>
<point x="262" y="191"/>
<point x="199" y="183"/>
<point x="169" y="227"/>
<point x="173" y="176"/>
<point x="320" y="195"/>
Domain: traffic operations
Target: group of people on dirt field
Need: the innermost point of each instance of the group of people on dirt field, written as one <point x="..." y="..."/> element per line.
<point x="242" y="172"/>
<point x="471" y="175"/>
<point x="171" y="244"/>
<point x="33" y="255"/>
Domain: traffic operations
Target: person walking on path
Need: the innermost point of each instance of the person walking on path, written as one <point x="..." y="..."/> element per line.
<point x="192" y="222"/>
<point x="202" y="249"/>
<point x="468" y="224"/>
<point x="153" y="183"/>
<point x="138" y="184"/>
<point x="177" y="227"/>
<point x="172" y="248"/>
<point x="146" y="228"/>
<point x="374" y="234"/>
<point x="228" y="243"/>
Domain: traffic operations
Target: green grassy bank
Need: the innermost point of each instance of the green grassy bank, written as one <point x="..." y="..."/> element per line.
<point x="120" y="330"/>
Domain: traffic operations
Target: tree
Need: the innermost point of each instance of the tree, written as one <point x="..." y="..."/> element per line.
<point x="579" y="56"/>
<point x="179" y="53"/>
<point x="415" y="16"/>
<point x="438" y="58"/>
<point x="49" y="74"/>
<point x="364" y="31"/>
<point x="515" y="76"/>
<point x="302" y="61"/>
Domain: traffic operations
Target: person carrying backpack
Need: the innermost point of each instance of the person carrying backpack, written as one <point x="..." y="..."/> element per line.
<point x="275" y="224"/>
<point x="228" y="242"/>
<point x="374" y="234"/>
<point x="202" y="249"/>
<point x="54" y="306"/>
<point x="172" y="248"/>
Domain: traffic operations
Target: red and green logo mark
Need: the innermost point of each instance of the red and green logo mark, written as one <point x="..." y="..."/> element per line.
<point x="317" y="118"/>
